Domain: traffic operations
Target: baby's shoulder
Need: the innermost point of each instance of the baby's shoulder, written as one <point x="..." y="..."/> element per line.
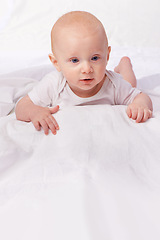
<point x="54" y="80"/>
<point x="114" y="78"/>
<point x="53" y="76"/>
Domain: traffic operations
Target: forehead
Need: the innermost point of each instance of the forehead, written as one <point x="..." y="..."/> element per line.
<point x="81" y="33"/>
<point x="77" y="43"/>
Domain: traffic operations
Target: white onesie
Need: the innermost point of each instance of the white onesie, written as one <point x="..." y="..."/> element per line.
<point x="53" y="90"/>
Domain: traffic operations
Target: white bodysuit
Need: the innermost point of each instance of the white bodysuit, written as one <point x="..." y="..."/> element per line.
<point x="53" y="90"/>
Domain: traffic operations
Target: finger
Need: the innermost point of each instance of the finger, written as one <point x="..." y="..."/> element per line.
<point x="55" y="122"/>
<point x="44" y="126"/>
<point x="147" y="115"/>
<point x="51" y="125"/>
<point x="134" y="113"/>
<point x="129" y="113"/>
<point x="140" y="115"/>
<point x="51" y="118"/>
<point x="150" y="113"/>
<point x="54" y="109"/>
<point x="37" y="125"/>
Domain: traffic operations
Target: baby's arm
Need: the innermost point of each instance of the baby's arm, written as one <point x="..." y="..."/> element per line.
<point x="141" y="108"/>
<point x="27" y="111"/>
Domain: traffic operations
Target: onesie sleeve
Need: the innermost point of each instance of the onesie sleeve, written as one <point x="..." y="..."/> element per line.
<point x="45" y="92"/>
<point x="124" y="93"/>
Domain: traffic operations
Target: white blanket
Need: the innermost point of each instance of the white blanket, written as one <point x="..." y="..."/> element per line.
<point x="98" y="178"/>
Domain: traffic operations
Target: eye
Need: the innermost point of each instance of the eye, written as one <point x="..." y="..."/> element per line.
<point x="74" y="60"/>
<point x="95" y="58"/>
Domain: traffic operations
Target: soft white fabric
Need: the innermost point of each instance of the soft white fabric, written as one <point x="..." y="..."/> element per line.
<point x="98" y="177"/>
<point x="15" y="85"/>
<point x="54" y="90"/>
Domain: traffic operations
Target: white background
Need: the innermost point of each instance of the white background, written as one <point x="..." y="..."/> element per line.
<point x="25" y="26"/>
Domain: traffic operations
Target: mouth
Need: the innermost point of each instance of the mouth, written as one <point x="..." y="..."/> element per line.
<point x="87" y="80"/>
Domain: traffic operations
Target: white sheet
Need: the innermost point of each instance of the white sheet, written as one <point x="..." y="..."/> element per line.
<point x="98" y="174"/>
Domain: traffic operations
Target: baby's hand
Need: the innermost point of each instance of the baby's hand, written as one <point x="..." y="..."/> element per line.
<point x="42" y="117"/>
<point x="138" y="112"/>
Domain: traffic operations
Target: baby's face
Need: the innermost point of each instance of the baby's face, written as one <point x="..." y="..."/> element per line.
<point x="82" y="57"/>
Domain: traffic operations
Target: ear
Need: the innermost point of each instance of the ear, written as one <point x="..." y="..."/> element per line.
<point x="54" y="62"/>
<point x="109" y="50"/>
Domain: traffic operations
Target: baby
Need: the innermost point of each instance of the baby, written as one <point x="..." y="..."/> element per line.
<point x="80" y="53"/>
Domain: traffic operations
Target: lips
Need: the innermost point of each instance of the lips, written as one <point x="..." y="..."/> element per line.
<point x="87" y="79"/>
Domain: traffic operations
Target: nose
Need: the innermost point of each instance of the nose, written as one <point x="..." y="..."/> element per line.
<point x="86" y="67"/>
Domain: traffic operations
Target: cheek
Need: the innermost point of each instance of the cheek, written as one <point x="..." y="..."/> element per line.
<point x="68" y="73"/>
<point x="101" y="69"/>
<point x="100" y="73"/>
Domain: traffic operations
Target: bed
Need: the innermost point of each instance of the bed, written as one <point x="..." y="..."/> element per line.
<point x="99" y="177"/>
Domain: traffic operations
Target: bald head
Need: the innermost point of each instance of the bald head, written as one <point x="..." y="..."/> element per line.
<point x="76" y="21"/>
